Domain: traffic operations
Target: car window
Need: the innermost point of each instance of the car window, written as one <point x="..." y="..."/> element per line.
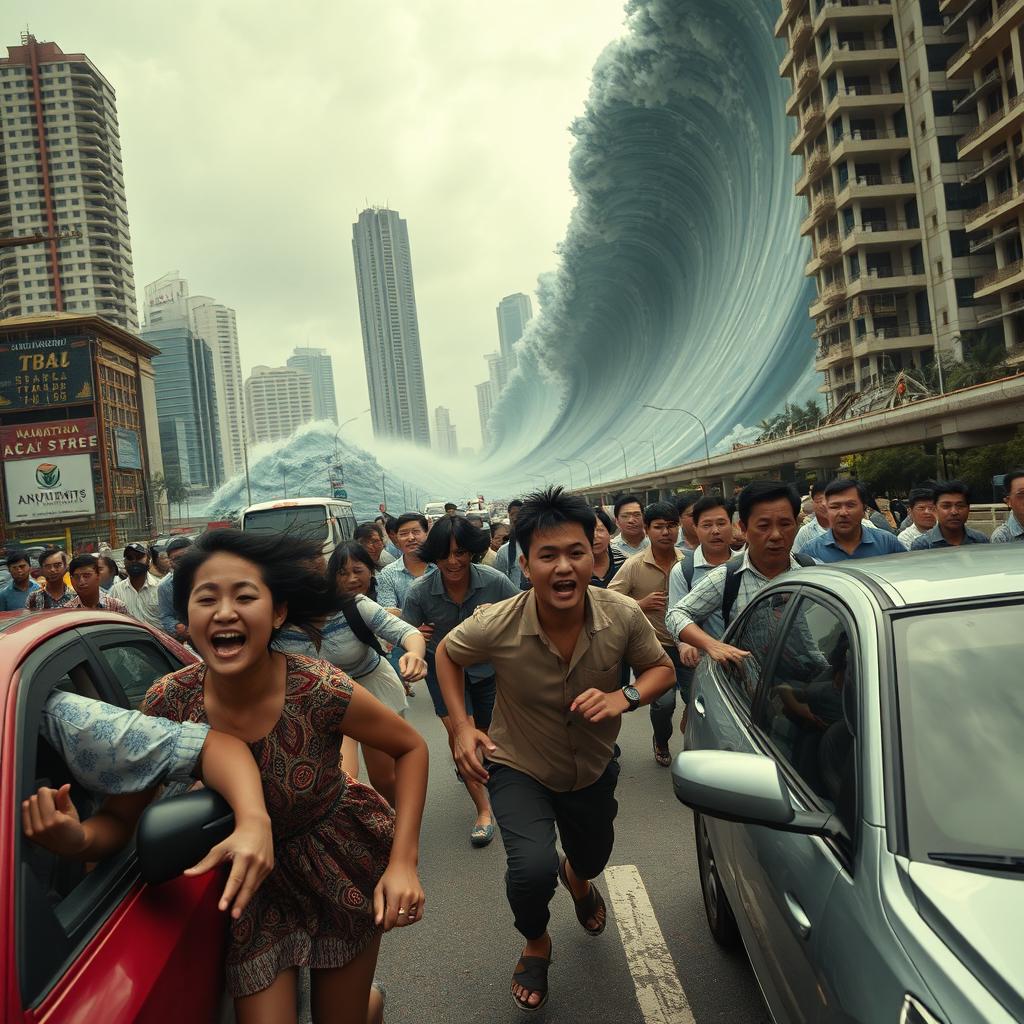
<point x="136" y="665"/>
<point x="757" y="632"/>
<point x="809" y="710"/>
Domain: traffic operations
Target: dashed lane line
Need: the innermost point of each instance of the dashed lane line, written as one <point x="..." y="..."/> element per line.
<point x="658" y="990"/>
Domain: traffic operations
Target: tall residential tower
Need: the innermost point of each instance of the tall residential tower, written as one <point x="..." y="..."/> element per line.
<point x="60" y="170"/>
<point x="391" y="335"/>
<point x="514" y="313"/>
<point x="317" y="363"/>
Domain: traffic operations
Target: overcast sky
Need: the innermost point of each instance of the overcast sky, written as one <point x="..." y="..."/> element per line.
<point x="254" y="132"/>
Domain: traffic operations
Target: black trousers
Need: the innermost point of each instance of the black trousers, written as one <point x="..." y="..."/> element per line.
<point x="527" y="814"/>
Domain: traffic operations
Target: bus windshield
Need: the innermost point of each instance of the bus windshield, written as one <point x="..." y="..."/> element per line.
<point x="306" y="521"/>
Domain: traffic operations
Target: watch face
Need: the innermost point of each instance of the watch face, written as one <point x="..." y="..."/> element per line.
<point x="632" y="694"/>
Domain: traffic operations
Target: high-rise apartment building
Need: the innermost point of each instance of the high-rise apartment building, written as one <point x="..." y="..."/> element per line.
<point x="317" y="363"/>
<point x="278" y="401"/>
<point x="446" y="440"/>
<point x="60" y="170"/>
<point x="168" y="299"/>
<point x="878" y="125"/>
<point x="987" y="70"/>
<point x="485" y="398"/>
<point x="497" y="371"/>
<point x="186" y="404"/>
<point x="391" y="334"/>
<point x="514" y="313"/>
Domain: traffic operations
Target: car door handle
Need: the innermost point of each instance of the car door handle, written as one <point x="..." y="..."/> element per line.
<point x="800" y="919"/>
<point x="698" y="706"/>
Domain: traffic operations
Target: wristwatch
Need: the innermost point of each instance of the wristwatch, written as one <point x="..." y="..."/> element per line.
<point x="632" y="695"/>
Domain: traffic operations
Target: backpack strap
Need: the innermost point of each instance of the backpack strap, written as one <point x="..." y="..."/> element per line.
<point x="687" y="566"/>
<point x="359" y="627"/>
<point x="732" y="586"/>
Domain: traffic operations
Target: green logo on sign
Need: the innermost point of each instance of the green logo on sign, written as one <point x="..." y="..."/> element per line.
<point x="48" y="475"/>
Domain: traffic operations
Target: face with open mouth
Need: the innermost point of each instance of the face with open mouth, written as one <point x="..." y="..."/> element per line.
<point x="560" y="564"/>
<point x="231" y="614"/>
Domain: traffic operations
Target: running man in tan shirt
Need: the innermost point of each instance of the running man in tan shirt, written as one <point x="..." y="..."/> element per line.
<point x="548" y="757"/>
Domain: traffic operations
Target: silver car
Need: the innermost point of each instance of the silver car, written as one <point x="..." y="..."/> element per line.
<point x="858" y="789"/>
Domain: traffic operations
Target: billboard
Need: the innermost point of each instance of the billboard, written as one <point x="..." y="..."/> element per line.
<point x="44" y="372"/>
<point x="58" y="437"/>
<point x="126" y="448"/>
<point x="49" y="488"/>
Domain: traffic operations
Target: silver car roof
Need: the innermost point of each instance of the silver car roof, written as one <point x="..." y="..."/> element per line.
<point x="941" y="574"/>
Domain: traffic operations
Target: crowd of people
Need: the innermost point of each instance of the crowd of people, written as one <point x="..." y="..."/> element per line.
<point x="533" y="638"/>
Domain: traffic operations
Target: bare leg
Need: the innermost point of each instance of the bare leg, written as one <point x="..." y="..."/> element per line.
<point x="579" y="887"/>
<point x="343" y="996"/>
<point x="274" y="1005"/>
<point x="350" y="756"/>
<point x="477" y="791"/>
<point x="380" y="768"/>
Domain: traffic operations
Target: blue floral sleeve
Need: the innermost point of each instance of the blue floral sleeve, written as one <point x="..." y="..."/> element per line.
<point x="113" y="750"/>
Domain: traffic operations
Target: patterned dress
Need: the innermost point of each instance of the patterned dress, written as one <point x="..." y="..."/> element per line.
<point x="332" y="836"/>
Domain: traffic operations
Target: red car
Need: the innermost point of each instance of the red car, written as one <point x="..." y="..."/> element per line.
<point x="86" y="945"/>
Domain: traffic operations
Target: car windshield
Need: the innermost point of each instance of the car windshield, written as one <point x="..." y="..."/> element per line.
<point x="961" y="719"/>
<point x="308" y="522"/>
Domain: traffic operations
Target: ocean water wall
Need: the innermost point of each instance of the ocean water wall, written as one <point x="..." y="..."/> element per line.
<point x="680" y="281"/>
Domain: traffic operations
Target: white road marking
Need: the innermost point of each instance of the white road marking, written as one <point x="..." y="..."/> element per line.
<point x="658" y="991"/>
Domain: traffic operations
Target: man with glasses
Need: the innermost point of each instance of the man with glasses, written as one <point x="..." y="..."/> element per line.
<point x="952" y="509"/>
<point x="629" y="518"/>
<point x="394" y="580"/>
<point x="1013" y="528"/>
<point x="56" y="593"/>
<point x="922" y="515"/>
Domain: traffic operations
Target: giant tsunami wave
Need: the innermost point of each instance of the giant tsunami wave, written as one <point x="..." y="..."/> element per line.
<point x="680" y="279"/>
<point x="681" y="275"/>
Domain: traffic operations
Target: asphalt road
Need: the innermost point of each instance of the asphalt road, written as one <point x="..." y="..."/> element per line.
<point x="456" y="965"/>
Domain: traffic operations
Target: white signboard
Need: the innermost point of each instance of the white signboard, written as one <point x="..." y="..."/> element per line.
<point x="49" y="488"/>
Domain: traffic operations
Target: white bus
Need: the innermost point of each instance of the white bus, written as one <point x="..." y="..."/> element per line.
<point x="327" y="520"/>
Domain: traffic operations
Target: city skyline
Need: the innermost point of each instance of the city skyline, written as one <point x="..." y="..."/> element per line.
<point x="482" y="226"/>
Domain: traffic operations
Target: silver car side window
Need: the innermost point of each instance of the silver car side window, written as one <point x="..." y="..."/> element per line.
<point x="757" y="634"/>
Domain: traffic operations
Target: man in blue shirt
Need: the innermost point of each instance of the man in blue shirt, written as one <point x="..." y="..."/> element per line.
<point x="15" y="594"/>
<point x="1013" y="529"/>
<point x="848" y="537"/>
<point x="394" y="580"/>
<point x="952" y="509"/>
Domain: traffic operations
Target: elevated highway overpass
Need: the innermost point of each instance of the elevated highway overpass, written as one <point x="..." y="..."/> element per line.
<point x="983" y="414"/>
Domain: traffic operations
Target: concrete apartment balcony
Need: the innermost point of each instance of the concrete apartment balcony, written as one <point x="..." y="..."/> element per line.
<point x="996" y="209"/>
<point x="879" y="187"/>
<point x="992" y="81"/>
<point x="831" y="320"/>
<point x="870" y="142"/>
<point x="790" y="9"/>
<point x="987" y="242"/>
<point x="832" y="295"/>
<point x="993" y="130"/>
<point x="956" y="21"/>
<point x="829" y="251"/>
<point x="812" y="117"/>
<point x="881" y="234"/>
<point x="832" y="355"/>
<point x="806" y="77"/>
<point x="982" y="170"/>
<point x="1008" y="278"/>
<point x="854" y="56"/>
<point x="997" y="313"/>
<point x="858" y="13"/>
<point x="823" y="207"/>
<point x="814" y="167"/>
<point x="894" y="339"/>
<point x="989" y="39"/>
<point x="897" y="279"/>
<point x="858" y="100"/>
<point x="799" y="38"/>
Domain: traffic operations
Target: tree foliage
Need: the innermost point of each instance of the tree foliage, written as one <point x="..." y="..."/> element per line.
<point x="793" y="419"/>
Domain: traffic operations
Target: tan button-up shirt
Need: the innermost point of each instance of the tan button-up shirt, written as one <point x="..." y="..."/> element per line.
<point x="639" y="576"/>
<point x="532" y="728"/>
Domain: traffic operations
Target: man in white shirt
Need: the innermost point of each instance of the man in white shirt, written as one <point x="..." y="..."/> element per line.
<point x="629" y="517"/>
<point x="815" y="527"/>
<point x="922" y="515"/>
<point x="138" y="593"/>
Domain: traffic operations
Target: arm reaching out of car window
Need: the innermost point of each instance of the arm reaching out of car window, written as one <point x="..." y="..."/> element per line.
<point x="125" y="753"/>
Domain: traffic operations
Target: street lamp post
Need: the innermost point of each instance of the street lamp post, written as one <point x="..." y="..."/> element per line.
<point x="590" y="476"/>
<point x="686" y="412"/>
<point x="565" y="462"/>
<point x="625" y="467"/>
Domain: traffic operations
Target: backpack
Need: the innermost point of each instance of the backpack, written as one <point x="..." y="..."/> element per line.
<point x="686" y="566"/>
<point x="359" y="627"/>
<point x="732" y="582"/>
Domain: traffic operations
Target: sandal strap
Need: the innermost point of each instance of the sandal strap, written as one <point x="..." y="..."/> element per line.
<point x="586" y="908"/>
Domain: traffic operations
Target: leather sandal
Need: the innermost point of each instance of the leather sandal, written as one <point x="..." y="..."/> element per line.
<point x="532" y="974"/>
<point x="588" y="907"/>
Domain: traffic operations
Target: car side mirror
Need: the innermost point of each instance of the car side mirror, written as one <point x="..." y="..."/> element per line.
<point x="177" y="833"/>
<point x="748" y="788"/>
